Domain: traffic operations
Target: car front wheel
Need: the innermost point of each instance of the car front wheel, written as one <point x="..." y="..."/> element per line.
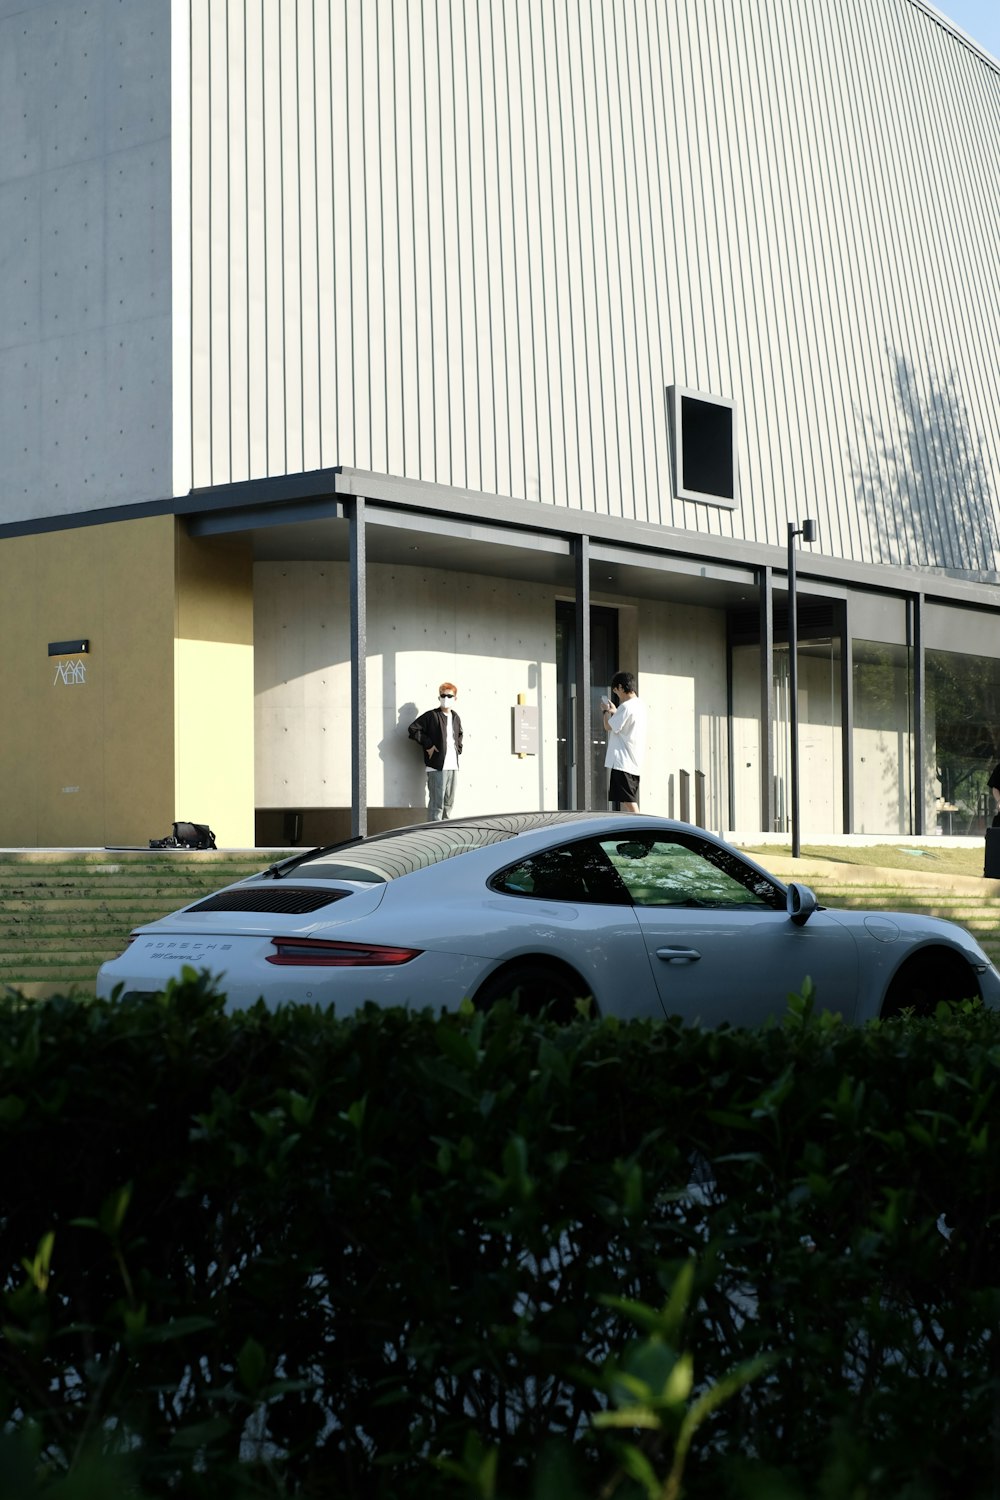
<point x="928" y="978"/>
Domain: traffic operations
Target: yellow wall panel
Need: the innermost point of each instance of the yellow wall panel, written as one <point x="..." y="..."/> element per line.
<point x="154" y="722"/>
<point x="87" y="751"/>
<point x="24" y="675"/>
<point x="214" y="687"/>
<point x="138" y="688"/>
<point x="67" y="692"/>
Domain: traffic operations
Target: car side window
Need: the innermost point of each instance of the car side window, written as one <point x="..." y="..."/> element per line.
<point x="578" y="872"/>
<point x="685" y="871"/>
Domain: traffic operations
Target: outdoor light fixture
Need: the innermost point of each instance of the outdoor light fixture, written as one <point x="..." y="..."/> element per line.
<point x="76" y="647"/>
<point x="807" y="531"/>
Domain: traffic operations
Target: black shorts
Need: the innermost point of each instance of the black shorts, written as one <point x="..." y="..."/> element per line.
<point x="623" y="787"/>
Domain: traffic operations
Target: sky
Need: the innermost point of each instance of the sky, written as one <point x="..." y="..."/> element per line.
<point x="979" y="18"/>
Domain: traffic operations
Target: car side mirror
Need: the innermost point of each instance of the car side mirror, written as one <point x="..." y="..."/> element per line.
<point x="800" y="903"/>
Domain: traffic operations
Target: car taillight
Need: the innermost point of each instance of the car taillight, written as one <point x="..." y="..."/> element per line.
<point x="319" y="951"/>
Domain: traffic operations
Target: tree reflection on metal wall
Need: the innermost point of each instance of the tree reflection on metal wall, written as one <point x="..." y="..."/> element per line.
<point x="924" y="483"/>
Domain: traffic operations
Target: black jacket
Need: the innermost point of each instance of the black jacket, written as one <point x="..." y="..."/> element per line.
<point x="430" y="731"/>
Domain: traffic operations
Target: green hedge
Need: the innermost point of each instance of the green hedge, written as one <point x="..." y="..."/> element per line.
<point x="410" y="1256"/>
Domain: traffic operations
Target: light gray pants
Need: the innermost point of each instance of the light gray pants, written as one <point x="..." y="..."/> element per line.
<point x="440" y="794"/>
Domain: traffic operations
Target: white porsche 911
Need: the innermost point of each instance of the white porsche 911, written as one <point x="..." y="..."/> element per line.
<point x="647" y="916"/>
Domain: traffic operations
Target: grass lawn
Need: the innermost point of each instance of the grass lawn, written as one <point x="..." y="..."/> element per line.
<point x="943" y="861"/>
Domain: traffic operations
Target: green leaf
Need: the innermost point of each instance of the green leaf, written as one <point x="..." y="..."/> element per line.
<point x="301" y="1109"/>
<point x="177" y="1328"/>
<point x="38" y="1267"/>
<point x="628" y="1416"/>
<point x="134" y="1319"/>
<point x="114" y="1209"/>
<point x="355" y="1113"/>
<point x="251" y="1366"/>
<point x="638" y="1467"/>
<point x="456" y="1046"/>
<point x="201" y="1434"/>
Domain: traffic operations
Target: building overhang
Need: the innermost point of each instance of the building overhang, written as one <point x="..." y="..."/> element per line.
<point x="305" y="515"/>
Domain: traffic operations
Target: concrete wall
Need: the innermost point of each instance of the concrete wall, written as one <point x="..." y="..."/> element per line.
<point x="494" y="639"/>
<point x="820" y="771"/>
<point x="682" y="658"/>
<point x="883" y="750"/>
<point x="86" y="388"/>
<point x="821" y="790"/>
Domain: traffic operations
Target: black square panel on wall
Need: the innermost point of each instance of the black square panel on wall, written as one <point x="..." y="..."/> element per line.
<point x="703" y="447"/>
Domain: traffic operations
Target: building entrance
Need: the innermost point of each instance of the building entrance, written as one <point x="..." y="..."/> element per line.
<point x="603" y="666"/>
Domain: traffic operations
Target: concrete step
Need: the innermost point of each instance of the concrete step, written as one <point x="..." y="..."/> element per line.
<point x="62" y="913"/>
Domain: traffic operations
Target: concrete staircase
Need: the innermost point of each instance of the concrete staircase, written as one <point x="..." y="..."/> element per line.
<point x="62" y="913"/>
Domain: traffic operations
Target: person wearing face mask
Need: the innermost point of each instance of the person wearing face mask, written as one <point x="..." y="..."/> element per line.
<point x="439" y="734"/>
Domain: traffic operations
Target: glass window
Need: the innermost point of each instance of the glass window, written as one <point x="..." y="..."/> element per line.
<point x="686" y="871"/>
<point x="578" y="872"/>
<point x="703" y="432"/>
<point x="962" y="724"/>
<point x="883" y="738"/>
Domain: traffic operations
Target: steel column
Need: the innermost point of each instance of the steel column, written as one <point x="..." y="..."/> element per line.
<point x="847" y="714"/>
<point x="793" y="695"/>
<point x="807" y="531"/>
<point x="584" y="717"/>
<point x="919" y="708"/>
<point x="359" y="670"/>
<point x="765" y="598"/>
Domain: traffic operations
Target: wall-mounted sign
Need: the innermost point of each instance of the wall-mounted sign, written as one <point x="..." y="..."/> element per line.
<point x="71" y="674"/>
<point x="525" y="730"/>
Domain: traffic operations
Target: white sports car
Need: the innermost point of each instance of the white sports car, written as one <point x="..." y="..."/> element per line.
<point x="648" y="916"/>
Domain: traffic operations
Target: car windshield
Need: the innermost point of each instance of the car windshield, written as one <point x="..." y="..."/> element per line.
<point x="388" y="857"/>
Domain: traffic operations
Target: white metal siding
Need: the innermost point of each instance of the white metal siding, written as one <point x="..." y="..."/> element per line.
<point x="472" y="241"/>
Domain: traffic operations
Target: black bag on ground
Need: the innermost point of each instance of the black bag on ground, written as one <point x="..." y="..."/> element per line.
<point x="187" y="836"/>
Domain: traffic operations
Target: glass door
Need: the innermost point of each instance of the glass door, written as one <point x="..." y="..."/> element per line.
<point x="603" y="666"/>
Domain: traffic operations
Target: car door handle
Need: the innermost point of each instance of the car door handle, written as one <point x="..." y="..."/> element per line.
<point x="678" y="955"/>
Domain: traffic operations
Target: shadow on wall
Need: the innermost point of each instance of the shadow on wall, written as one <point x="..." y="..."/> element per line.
<point x="402" y="758"/>
<point x="925" y="489"/>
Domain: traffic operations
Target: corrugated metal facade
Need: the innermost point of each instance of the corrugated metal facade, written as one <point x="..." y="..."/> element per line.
<point x="472" y="241"/>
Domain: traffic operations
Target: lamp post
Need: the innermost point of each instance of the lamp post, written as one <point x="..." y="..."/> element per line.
<point x="807" y="531"/>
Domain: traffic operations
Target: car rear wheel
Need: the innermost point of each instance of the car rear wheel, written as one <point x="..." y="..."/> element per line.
<point x="927" y="978"/>
<point x="535" y="985"/>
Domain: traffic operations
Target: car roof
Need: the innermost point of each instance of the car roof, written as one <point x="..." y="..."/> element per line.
<point x="401" y="851"/>
<point x="521" y="822"/>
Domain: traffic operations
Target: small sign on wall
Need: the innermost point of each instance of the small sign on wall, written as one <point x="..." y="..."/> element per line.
<point x="71" y="673"/>
<point x="525" y="724"/>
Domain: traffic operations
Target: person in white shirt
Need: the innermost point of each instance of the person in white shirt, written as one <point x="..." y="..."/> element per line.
<point x="625" y="726"/>
<point x="439" y="733"/>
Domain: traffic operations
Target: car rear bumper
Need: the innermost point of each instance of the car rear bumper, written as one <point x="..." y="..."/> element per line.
<point x="242" y="974"/>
